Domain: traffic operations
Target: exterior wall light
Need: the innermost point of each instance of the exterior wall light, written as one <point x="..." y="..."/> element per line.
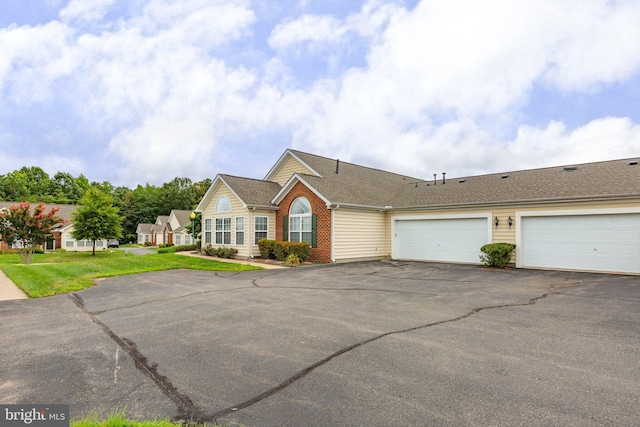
<point x="496" y="221"/>
<point x="510" y="222"/>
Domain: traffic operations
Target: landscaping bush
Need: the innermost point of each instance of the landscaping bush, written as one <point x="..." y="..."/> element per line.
<point x="282" y="250"/>
<point x="221" y="252"/>
<point x="497" y="254"/>
<point x="266" y="248"/>
<point x="293" y="260"/>
<point x="148" y="244"/>
<point x="186" y="248"/>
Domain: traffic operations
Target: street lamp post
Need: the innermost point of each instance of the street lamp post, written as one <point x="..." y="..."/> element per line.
<point x="193" y="227"/>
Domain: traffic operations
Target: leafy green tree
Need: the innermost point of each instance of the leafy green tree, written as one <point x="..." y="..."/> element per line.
<point x="96" y="218"/>
<point x="24" y="228"/>
<point x="37" y="182"/>
<point x="13" y="186"/>
<point x="178" y="194"/>
<point x="66" y="188"/>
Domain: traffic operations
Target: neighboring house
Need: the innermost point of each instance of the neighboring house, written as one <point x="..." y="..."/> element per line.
<point x="61" y="236"/>
<point x="144" y="233"/>
<point x="579" y="217"/>
<point x="157" y="230"/>
<point x="173" y="229"/>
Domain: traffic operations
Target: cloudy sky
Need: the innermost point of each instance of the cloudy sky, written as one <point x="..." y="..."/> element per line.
<point x="142" y="91"/>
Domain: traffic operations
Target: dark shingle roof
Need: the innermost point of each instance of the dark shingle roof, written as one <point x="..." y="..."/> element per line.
<point x="183" y="219"/>
<point x="601" y="180"/>
<point x="253" y="192"/>
<point x="353" y="184"/>
<point x="65" y="211"/>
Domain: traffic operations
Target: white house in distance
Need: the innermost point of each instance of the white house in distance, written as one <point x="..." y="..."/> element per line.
<point x="168" y="229"/>
<point x="61" y="236"/>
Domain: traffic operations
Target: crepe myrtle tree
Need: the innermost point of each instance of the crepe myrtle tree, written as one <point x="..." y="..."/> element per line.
<point x="96" y="218"/>
<point x="25" y="228"/>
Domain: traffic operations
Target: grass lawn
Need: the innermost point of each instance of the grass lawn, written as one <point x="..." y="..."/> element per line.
<point x="57" y="273"/>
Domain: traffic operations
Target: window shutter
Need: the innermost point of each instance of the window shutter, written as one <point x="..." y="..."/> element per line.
<point x="314" y="231"/>
<point x="285" y="229"/>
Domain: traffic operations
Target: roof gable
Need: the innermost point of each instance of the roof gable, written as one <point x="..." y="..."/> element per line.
<point x="250" y="192"/>
<point x="288" y="164"/>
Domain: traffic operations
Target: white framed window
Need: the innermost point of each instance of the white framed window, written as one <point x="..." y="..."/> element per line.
<point x="68" y="241"/>
<point x="223" y="231"/>
<point x="99" y="243"/>
<point x="178" y="239"/>
<point x="261" y="228"/>
<point x="187" y="239"/>
<point x="300" y="224"/>
<point x="207" y="231"/>
<point x="223" y="204"/>
<point x="80" y="243"/>
<point x="239" y="230"/>
<point x="146" y="238"/>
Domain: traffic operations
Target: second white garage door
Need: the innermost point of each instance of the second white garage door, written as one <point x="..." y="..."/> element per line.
<point x="582" y="242"/>
<point x="454" y="240"/>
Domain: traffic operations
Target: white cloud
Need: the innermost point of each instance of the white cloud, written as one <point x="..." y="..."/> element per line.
<point x="314" y="30"/>
<point x="86" y="10"/>
<point x="442" y="73"/>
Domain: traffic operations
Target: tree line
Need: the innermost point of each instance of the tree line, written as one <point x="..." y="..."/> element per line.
<point x="142" y="204"/>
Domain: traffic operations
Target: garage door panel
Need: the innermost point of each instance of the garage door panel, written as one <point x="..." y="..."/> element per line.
<point x="455" y="240"/>
<point x="582" y="242"/>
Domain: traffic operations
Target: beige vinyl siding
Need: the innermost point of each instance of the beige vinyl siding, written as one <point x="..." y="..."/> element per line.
<point x="507" y="234"/>
<point x="289" y="167"/>
<point x="360" y="235"/>
<point x="237" y="209"/>
<point x="250" y="228"/>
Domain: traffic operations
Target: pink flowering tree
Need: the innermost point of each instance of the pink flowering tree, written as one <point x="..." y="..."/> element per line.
<point x="27" y="228"/>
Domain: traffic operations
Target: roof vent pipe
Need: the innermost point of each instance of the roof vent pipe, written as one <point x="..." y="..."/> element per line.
<point x="337" y="164"/>
<point x="443" y="181"/>
<point x="435" y="178"/>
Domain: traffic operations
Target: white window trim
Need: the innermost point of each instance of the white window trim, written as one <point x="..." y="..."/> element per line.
<point x="243" y="231"/>
<point x="223" y="198"/>
<point x="223" y="230"/>
<point x="208" y="241"/>
<point x="301" y="216"/>
<point x="256" y="231"/>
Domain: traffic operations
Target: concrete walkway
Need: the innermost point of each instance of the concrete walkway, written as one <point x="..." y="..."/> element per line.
<point x="235" y="261"/>
<point x="9" y="290"/>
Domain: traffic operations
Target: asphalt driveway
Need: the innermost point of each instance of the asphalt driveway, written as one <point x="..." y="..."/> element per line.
<point x="371" y="344"/>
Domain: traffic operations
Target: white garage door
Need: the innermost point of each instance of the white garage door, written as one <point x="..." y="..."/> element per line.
<point x="455" y="240"/>
<point x="582" y="242"/>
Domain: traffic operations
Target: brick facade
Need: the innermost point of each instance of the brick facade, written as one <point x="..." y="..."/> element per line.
<point x="321" y="253"/>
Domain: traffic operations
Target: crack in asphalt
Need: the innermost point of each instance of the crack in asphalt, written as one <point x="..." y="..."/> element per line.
<point x="301" y="374"/>
<point x="187" y="410"/>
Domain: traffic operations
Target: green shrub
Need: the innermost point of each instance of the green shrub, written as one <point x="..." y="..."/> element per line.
<point x="293" y="260"/>
<point x="266" y="248"/>
<point x="148" y="244"/>
<point x="221" y="252"/>
<point x="496" y="254"/>
<point x="282" y="250"/>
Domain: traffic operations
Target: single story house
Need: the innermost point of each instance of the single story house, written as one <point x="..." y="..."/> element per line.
<point x="174" y="229"/>
<point x="157" y="230"/>
<point x="143" y="231"/>
<point x="168" y="229"/>
<point x="61" y="237"/>
<point x="577" y="217"/>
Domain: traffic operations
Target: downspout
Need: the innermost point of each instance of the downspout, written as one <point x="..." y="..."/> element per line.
<point x="333" y="232"/>
<point x="250" y="236"/>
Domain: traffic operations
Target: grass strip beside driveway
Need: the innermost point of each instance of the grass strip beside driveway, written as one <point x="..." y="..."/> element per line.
<point x="52" y="274"/>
